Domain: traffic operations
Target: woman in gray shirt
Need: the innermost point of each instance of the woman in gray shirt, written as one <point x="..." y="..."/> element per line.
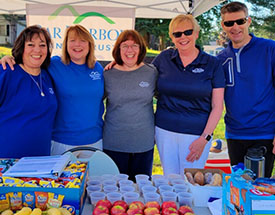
<point x="128" y="132"/>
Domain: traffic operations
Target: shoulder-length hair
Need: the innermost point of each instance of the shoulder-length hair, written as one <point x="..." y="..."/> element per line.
<point x="25" y="36"/>
<point x="82" y="33"/>
<point x="129" y="35"/>
<point x="179" y="20"/>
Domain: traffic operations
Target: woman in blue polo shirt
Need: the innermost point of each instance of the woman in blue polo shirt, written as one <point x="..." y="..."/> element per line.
<point x="190" y="99"/>
<point x="27" y="98"/>
<point x="79" y="87"/>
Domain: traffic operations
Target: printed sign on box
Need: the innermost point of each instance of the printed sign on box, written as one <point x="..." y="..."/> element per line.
<point x="103" y="23"/>
<point x="241" y="198"/>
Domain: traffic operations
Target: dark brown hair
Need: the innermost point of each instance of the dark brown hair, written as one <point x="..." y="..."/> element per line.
<point x="129" y="35"/>
<point x="84" y="34"/>
<point x="234" y="7"/>
<point x="27" y="35"/>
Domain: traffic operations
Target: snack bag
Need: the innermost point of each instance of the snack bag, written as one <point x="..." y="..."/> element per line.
<point x="41" y="199"/>
<point x="54" y="200"/>
<point x="15" y="200"/>
<point x="28" y="199"/>
<point x="4" y="202"/>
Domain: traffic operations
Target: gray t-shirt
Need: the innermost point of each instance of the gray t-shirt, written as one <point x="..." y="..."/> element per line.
<point x="129" y="119"/>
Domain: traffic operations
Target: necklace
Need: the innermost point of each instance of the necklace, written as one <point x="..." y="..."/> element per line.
<point x="40" y="88"/>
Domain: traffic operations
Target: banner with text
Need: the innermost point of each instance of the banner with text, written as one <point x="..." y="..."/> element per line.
<point x="103" y="23"/>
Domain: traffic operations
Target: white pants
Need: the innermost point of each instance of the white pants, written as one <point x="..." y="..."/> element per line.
<point x="173" y="149"/>
<point x="59" y="148"/>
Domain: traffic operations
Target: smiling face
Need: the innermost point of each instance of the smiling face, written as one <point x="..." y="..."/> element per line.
<point x="238" y="34"/>
<point x="129" y="52"/>
<point x="185" y="43"/>
<point x="77" y="48"/>
<point x="35" y="52"/>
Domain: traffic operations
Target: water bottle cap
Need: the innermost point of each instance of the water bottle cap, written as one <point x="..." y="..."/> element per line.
<point x="256" y="152"/>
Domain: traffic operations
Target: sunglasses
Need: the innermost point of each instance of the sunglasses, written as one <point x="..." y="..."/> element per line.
<point x="238" y="21"/>
<point x="186" y="33"/>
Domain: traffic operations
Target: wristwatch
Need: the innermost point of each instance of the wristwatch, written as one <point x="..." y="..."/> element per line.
<point x="207" y="136"/>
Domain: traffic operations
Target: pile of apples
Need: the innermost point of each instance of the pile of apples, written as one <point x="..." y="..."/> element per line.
<point x="120" y="207"/>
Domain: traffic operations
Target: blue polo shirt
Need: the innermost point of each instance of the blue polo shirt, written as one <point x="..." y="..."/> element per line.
<point x="185" y="93"/>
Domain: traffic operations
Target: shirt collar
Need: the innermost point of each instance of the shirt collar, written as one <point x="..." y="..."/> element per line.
<point x="200" y="59"/>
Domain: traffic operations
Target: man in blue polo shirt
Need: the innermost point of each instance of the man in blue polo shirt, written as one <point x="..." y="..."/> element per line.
<point x="249" y="64"/>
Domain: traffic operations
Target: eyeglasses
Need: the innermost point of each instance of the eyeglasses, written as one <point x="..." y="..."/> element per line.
<point x="125" y="47"/>
<point x="186" y="33"/>
<point x="238" y="21"/>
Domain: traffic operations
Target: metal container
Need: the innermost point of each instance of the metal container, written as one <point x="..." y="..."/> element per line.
<point x="255" y="161"/>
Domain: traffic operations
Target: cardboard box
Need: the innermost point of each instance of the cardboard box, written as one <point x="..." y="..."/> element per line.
<point x="241" y="198"/>
<point x="72" y="196"/>
<point x="203" y="193"/>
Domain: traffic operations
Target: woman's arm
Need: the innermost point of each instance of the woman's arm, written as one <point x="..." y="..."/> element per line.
<point x="7" y="60"/>
<point x="197" y="147"/>
<point x="273" y="146"/>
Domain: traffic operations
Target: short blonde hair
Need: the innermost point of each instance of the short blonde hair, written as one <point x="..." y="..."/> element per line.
<point x="179" y="20"/>
<point x="82" y="33"/>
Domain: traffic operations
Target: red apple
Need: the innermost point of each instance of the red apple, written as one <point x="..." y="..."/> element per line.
<point x="151" y="211"/>
<point x="168" y="204"/>
<point x="137" y="204"/>
<point x="168" y="211"/>
<point x="121" y="203"/>
<point x="153" y="204"/>
<point x="117" y="209"/>
<point x="105" y="203"/>
<point x="134" y="211"/>
<point x="185" y="209"/>
<point x="100" y="210"/>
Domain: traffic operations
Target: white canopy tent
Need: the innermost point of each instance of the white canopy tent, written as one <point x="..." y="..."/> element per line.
<point x="144" y="8"/>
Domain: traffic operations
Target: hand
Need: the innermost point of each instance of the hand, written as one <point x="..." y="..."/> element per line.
<point x="110" y="65"/>
<point x="196" y="148"/>
<point x="7" y="60"/>
<point x="273" y="151"/>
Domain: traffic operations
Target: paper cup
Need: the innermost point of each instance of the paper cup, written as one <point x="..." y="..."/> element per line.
<point x="127" y="188"/>
<point x="114" y="196"/>
<point x="96" y="196"/>
<point x="169" y="196"/>
<point x="110" y="188"/>
<point x="129" y="197"/>
<point x="185" y="198"/>
<point x="149" y="197"/>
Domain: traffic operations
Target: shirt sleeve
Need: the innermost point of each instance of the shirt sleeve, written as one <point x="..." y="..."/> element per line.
<point x="218" y="80"/>
<point x="3" y="85"/>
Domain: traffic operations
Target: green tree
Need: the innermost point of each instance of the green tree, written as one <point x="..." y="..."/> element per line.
<point x="263" y="18"/>
<point x="158" y="28"/>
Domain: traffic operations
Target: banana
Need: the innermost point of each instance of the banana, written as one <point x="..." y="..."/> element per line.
<point x="54" y="211"/>
<point x="7" y="212"/>
<point x="24" y="211"/>
<point x="36" y="211"/>
<point x="64" y="211"/>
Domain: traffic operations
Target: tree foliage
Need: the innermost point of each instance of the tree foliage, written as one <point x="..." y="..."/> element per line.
<point x="155" y="31"/>
<point x="263" y="18"/>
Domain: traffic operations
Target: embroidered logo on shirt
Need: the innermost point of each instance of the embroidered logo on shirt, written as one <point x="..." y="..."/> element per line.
<point x="51" y="90"/>
<point x="144" y="84"/>
<point x="95" y="75"/>
<point x="198" y="70"/>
